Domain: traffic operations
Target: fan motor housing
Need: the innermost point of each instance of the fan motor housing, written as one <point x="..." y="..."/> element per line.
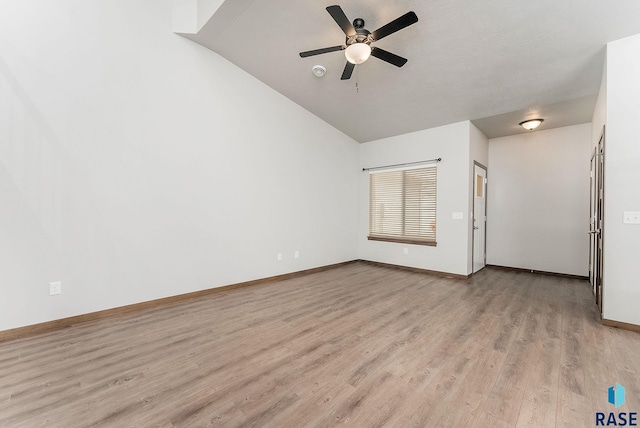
<point x="362" y="34"/>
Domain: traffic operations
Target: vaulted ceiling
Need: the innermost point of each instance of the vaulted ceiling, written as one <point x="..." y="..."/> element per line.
<point x="493" y="62"/>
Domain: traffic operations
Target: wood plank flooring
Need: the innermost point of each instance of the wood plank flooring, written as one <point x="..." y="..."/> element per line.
<point x="360" y="345"/>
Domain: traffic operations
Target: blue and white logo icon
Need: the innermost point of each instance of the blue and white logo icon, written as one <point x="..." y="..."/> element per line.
<point x="616" y="395"/>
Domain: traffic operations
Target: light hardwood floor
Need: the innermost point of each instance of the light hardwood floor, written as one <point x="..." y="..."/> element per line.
<point x="359" y="345"/>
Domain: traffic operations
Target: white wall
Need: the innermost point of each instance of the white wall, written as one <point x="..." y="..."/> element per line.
<point x="451" y="143"/>
<point x="135" y="164"/>
<point x="189" y="16"/>
<point x="538" y="200"/>
<point x="622" y="179"/>
<point x="478" y="152"/>
<point x="600" y="111"/>
<point x="206" y="9"/>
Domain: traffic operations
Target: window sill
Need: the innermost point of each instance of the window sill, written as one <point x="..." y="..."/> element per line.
<point x="403" y="241"/>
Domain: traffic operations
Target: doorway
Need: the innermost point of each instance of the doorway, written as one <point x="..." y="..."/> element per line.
<point x="596" y="221"/>
<point x="479" y="216"/>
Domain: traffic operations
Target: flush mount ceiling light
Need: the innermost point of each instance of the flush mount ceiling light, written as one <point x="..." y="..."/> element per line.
<point x="531" y="124"/>
<point x="318" y="70"/>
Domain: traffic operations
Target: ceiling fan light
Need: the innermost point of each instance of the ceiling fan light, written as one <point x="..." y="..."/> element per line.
<point x="531" y="124"/>
<point x="357" y="53"/>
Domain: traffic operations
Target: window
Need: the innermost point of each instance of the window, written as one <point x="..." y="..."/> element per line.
<point x="402" y="206"/>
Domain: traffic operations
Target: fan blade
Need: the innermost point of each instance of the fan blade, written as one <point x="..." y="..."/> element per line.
<point x="341" y="19"/>
<point x="322" y="51"/>
<point x="395" y="25"/>
<point x="348" y="70"/>
<point x="389" y="57"/>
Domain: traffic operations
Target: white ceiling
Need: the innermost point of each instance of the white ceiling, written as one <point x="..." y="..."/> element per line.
<point x="494" y="62"/>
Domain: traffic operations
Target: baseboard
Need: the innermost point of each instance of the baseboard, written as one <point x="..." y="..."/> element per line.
<point x="416" y="270"/>
<point x="49" y="326"/>
<point x="621" y="325"/>
<point x="540" y="272"/>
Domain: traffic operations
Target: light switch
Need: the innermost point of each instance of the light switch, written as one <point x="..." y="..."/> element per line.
<point x="55" y="288"/>
<point x="457" y="216"/>
<point x="631" y="217"/>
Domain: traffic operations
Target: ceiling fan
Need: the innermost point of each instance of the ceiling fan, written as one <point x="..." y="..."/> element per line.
<point x="358" y="42"/>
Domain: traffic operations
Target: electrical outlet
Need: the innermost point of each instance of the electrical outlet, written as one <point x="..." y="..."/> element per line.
<point x="279" y="257"/>
<point x="296" y="254"/>
<point x="406" y="250"/>
<point x="55" y="288"/>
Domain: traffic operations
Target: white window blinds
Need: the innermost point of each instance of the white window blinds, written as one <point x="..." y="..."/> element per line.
<point x="402" y="205"/>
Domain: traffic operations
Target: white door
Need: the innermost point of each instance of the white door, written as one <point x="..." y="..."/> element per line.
<point x="479" y="217"/>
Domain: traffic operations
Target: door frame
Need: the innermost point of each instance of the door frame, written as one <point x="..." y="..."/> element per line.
<point x="473" y="210"/>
